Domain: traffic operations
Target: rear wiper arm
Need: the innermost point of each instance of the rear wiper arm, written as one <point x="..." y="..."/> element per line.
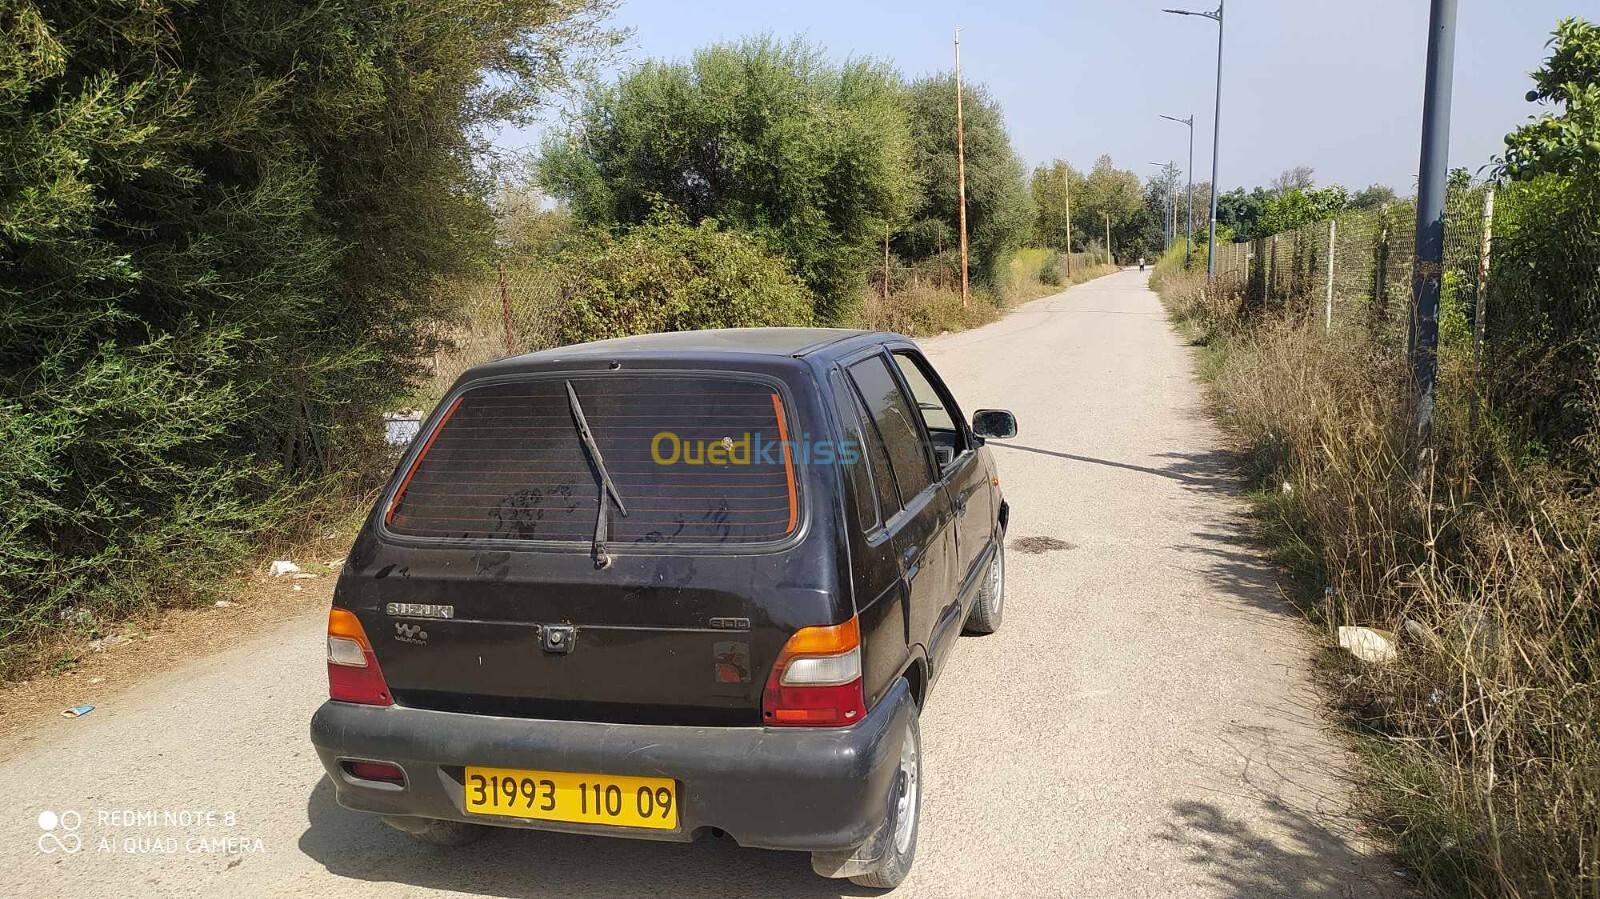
<point x="608" y="489"/>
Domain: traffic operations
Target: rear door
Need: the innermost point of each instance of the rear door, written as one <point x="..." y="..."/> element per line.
<point x="922" y="528"/>
<point x="870" y="500"/>
<point x="496" y="517"/>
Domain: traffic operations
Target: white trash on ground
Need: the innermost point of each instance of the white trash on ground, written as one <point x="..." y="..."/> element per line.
<point x="282" y="567"/>
<point x="1368" y="644"/>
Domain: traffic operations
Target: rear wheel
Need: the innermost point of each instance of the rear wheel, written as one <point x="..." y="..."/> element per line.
<point x="990" y="604"/>
<point x="905" y="806"/>
<point x="438" y="832"/>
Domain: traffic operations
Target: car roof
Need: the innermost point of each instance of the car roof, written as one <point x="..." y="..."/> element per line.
<point x="758" y="341"/>
<point x="752" y="344"/>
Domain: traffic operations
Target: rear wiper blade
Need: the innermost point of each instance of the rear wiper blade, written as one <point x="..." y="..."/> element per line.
<point x="608" y="489"/>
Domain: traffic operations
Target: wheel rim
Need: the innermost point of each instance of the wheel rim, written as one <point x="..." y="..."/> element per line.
<point x="905" y="818"/>
<point x="997" y="582"/>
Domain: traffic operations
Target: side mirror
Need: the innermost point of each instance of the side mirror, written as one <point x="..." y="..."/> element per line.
<point x="996" y="423"/>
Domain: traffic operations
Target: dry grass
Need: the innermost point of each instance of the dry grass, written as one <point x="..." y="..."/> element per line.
<point x="1483" y="742"/>
<point x="918" y="307"/>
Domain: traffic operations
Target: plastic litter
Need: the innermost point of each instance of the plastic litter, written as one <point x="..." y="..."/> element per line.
<point x="282" y="567"/>
<point x="77" y="711"/>
<point x="1368" y="644"/>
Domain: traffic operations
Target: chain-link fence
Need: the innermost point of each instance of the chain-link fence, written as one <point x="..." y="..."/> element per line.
<point x="1356" y="268"/>
<point x="514" y="309"/>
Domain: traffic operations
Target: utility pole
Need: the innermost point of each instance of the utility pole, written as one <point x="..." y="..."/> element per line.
<point x="1188" y="234"/>
<point x="1432" y="182"/>
<point x="1109" y="257"/>
<point x="1066" y="178"/>
<point x="961" y="178"/>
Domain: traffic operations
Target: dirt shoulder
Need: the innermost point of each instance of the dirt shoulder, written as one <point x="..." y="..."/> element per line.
<point x="98" y="672"/>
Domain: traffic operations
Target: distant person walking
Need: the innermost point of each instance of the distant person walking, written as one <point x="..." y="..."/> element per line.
<point x="1141" y="263"/>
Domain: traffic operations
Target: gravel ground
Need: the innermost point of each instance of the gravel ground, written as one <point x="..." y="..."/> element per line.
<point x="1142" y="725"/>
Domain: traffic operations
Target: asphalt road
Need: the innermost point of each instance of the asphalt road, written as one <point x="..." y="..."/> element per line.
<point x="1141" y="725"/>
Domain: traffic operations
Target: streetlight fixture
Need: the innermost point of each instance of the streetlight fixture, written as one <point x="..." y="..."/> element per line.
<point x="1188" y="234"/>
<point x="1216" y="130"/>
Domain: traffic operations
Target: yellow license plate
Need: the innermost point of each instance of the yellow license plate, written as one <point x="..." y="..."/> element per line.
<point x="575" y="798"/>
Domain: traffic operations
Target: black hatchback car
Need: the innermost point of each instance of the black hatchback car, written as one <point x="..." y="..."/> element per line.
<point x="665" y="586"/>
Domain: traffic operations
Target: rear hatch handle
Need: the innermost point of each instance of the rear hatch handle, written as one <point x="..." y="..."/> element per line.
<point x="608" y="489"/>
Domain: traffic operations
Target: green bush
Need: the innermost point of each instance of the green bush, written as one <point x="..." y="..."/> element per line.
<point x="221" y="226"/>
<point x="769" y="138"/>
<point x="671" y="276"/>
<point x="1050" y="272"/>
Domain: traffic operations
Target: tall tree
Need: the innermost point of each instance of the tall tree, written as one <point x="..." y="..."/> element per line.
<point x="998" y="207"/>
<point x="765" y="137"/>
<point x="1109" y="192"/>
<point x="1301" y="177"/>
<point x="1051" y="188"/>
<point x="221" y="225"/>
<point x="1241" y="211"/>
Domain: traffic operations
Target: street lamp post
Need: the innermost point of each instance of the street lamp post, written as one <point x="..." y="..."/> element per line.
<point x="1216" y="131"/>
<point x="1188" y="233"/>
<point x="1167" y="208"/>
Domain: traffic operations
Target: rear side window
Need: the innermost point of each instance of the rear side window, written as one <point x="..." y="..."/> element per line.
<point x="896" y="421"/>
<point x="858" y="475"/>
<point x="696" y="460"/>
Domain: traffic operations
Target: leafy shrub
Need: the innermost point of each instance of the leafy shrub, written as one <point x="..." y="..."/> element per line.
<point x="221" y="227"/>
<point x="769" y="138"/>
<point x="1050" y="272"/>
<point x="670" y="276"/>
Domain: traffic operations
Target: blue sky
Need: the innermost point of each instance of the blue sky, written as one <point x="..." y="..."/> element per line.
<point x="1333" y="85"/>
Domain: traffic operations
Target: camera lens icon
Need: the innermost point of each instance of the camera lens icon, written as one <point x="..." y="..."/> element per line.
<point x="68" y="840"/>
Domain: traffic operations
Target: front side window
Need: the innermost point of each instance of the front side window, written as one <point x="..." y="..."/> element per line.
<point x="695" y="460"/>
<point x="941" y="419"/>
<point x="896" y="421"/>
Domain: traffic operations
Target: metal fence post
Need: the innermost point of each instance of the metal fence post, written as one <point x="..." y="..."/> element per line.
<point x="505" y="310"/>
<point x="1333" y="231"/>
<point x="1480" y="315"/>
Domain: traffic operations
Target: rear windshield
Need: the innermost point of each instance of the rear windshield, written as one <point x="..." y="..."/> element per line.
<point x="694" y="459"/>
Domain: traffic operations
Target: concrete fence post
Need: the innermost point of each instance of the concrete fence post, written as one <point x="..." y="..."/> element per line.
<point x="1484" y="251"/>
<point x="1333" y="233"/>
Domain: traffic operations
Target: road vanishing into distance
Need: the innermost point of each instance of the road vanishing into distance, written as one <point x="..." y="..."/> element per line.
<point x="1142" y="724"/>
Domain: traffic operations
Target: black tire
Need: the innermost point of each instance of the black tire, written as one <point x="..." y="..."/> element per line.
<point x="901" y="849"/>
<point x="990" y="604"/>
<point x="437" y="832"/>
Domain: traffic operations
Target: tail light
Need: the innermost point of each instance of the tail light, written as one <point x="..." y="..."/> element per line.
<point x="816" y="681"/>
<point x="353" y="674"/>
<point x="382" y="772"/>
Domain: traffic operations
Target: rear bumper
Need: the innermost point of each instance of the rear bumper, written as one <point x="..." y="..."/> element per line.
<point x="772" y="788"/>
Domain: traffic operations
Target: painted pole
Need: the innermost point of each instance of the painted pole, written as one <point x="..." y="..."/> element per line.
<point x="961" y="178"/>
<point x="1427" y="272"/>
<point x="1216" y="148"/>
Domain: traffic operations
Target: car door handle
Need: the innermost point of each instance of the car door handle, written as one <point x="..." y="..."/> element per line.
<point x="912" y="558"/>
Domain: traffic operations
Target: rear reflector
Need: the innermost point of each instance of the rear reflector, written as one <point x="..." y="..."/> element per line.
<point x="816" y="681"/>
<point x="379" y="771"/>
<point x="353" y="674"/>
